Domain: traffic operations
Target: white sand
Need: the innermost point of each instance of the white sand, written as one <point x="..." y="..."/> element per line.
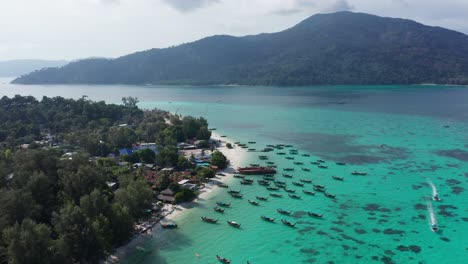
<point x="236" y="157"/>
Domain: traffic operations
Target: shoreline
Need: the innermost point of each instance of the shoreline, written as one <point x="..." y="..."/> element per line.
<point x="171" y="213"/>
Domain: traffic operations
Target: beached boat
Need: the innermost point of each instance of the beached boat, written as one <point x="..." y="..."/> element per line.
<point x="233" y="191"/>
<point x="288" y="223"/>
<point x="222" y="185"/>
<point x="239" y="176"/>
<point x="338" y="178"/>
<point x="271" y="188"/>
<point x="298" y="162"/>
<point x="256" y="170"/>
<point x="262" y="198"/>
<point x="288" y="169"/>
<point x="298" y="183"/>
<point x="329" y="195"/>
<point x="169" y="225"/>
<point x="209" y="220"/>
<point x="254" y="202"/>
<point x="218" y="209"/>
<point x="220" y="174"/>
<point x="361" y="173"/>
<point x="237" y="195"/>
<point x="308" y="192"/>
<point x="223" y="204"/>
<point x="322" y="167"/>
<point x="315" y="214"/>
<point x="341" y="163"/>
<point x="289" y="190"/>
<point x="268" y="219"/>
<point x="233" y="223"/>
<point x="276" y="195"/>
<point x="287" y="175"/>
<point x="305" y="180"/>
<point x="294" y="196"/>
<point x="223" y="260"/>
<point x="281" y="211"/>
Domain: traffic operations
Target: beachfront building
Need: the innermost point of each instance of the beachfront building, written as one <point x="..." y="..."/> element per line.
<point x="166" y="196"/>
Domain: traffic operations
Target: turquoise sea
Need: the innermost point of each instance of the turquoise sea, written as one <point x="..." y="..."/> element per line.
<point x="403" y="136"/>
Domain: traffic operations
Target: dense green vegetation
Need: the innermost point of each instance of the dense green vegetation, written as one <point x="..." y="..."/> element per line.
<point x="56" y="205"/>
<point x="339" y="48"/>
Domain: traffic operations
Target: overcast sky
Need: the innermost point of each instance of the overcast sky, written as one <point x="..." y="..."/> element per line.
<point x="71" y="29"/>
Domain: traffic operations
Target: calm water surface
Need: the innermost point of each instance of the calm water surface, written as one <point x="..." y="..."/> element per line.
<point x="401" y="135"/>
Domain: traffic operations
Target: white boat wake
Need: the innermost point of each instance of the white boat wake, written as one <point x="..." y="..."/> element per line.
<point x="435" y="194"/>
<point x="432" y="217"/>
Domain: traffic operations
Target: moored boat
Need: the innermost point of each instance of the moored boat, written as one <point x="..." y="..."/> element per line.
<point x="218" y="209"/>
<point x="306" y="180"/>
<point x="315" y="214"/>
<point x="289" y="190"/>
<point x="271" y="188"/>
<point x="222" y="185"/>
<point x="263" y="182"/>
<point x="239" y="176"/>
<point x="237" y="195"/>
<point x="320" y="160"/>
<point x="276" y="195"/>
<point x="305" y="155"/>
<point x="308" y="192"/>
<point x="338" y="178"/>
<point x="322" y="166"/>
<point x="319" y="186"/>
<point x="305" y="169"/>
<point x="314" y="163"/>
<point x="233" y="191"/>
<point x="281" y="153"/>
<point x="287" y="175"/>
<point x="289" y="158"/>
<point x="209" y="220"/>
<point x="294" y="196"/>
<point x="268" y="219"/>
<point x="223" y="260"/>
<point x="361" y="173"/>
<point x="223" y="204"/>
<point x="298" y="183"/>
<point x="262" y="198"/>
<point x="251" y="142"/>
<point x="245" y="182"/>
<point x="288" y="223"/>
<point x="233" y="223"/>
<point x="168" y="225"/>
<point x="317" y="189"/>
<point x="341" y="163"/>
<point x="253" y="202"/>
<point x="329" y="195"/>
<point x="256" y="170"/>
<point x="285" y="212"/>
<point x="298" y="163"/>
<point x="288" y="169"/>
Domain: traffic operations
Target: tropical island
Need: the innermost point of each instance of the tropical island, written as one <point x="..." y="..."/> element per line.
<point x="79" y="178"/>
<point x="324" y="49"/>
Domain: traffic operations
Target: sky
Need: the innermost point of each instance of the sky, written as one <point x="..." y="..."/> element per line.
<point x="74" y="29"/>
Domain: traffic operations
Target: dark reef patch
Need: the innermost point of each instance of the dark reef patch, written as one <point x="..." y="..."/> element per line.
<point x="375" y="207"/>
<point x="387" y="260"/>
<point x="336" y="229"/>
<point x="420" y="206"/>
<point x="375" y="230"/>
<point x="457" y="189"/>
<point x="353" y="239"/>
<point x="306" y="230"/>
<point x="360" y="231"/>
<point x="458" y="154"/>
<point x="444" y="210"/>
<point x="446" y="239"/>
<point x="452" y="182"/>
<point x="390" y="231"/>
<point x="310" y="251"/>
<point x="389" y="252"/>
<point x="413" y="248"/>
<point x="299" y="214"/>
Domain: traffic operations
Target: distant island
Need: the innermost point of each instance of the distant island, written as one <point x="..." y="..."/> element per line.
<point x="15" y="68"/>
<point x="324" y="49"/>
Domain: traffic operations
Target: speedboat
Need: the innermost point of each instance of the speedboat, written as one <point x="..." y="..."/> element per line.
<point x="223" y="260"/>
<point x="233" y="223"/>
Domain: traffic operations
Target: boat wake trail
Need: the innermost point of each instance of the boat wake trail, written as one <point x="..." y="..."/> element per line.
<point x="432" y="217"/>
<point x="435" y="194"/>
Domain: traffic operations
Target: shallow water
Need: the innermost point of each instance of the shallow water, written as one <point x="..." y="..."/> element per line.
<point x="397" y="134"/>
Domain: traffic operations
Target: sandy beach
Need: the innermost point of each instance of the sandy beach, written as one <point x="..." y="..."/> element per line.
<point x="171" y="213"/>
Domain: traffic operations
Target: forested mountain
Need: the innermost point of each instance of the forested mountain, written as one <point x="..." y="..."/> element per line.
<point x="14" y="68"/>
<point x="338" y="48"/>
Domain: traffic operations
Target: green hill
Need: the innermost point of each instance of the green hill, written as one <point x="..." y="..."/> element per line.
<point x="338" y="48"/>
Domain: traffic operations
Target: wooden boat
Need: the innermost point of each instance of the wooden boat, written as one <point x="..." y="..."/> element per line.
<point x="254" y="202"/>
<point x="223" y="136"/>
<point x="252" y="142"/>
<point x="223" y="260"/>
<point x="281" y="211"/>
<point x="262" y="198"/>
<point x="268" y="178"/>
<point x="276" y="195"/>
<point x="289" y="190"/>
<point x="341" y="163"/>
<point x="233" y="223"/>
<point x="298" y="184"/>
<point x="361" y="173"/>
<point x="315" y="163"/>
<point x="288" y="146"/>
<point x="239" y="176"/>
<point x="244" y="182"/>
<point x="169" y="225"/>
<point x="254" y="165"/>
<point x="288" y="169"/>
<point x="305" y="169"/>
<point x="306" y="180"/>
<point x="223" y="204"/>
<point x="218" y="209"/>
<point x="338" y="178"/>
<point x="281" y="153"/>
<point x="279" y="181"/>
<point x="289" y="158"/>
<point x="280" y="185"/>
<point x="209" y="220"/>
<point x="256" y="170"/>
<point x="268" y="219"/>
<point x="288" y="223"/>
<point x="329" y="195"/>
<point x="237" y="195"/>
<point x="222" y="185"/>
<point x="319" y="189"/>
<point x="271" y="188"/>
<point x="315" y="214"/>
<point x="237" y="142"/>
<point x="319" y="186"/>
<point x="294" y="196"/>
<point x="287" y="175"/>
<point x="269" y="175"/>
<point x="233" y="191"/>
<point x="308" y="192"/>
<point x="320" y="160"/>
<point x="298" y="163"/>
<point x="305" y="155"/>
<point x="322" y="167"/>
<point x="270" y="162"/>
<point x="248" y="180"/>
